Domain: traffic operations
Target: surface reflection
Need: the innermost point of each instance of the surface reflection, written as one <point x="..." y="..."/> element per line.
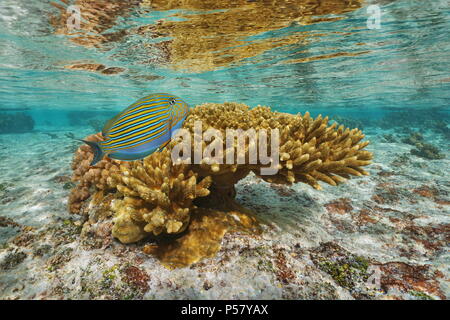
<point x="200" y="36"/>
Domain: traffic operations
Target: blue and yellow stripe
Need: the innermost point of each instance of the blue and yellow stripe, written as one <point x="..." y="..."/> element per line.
<point x="148" y="121"/>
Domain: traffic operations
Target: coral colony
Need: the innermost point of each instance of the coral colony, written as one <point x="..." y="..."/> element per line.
<point x="228" y="205"/>
<point x="190" y="204"/>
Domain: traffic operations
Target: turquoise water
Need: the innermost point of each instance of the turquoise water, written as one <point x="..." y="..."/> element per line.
<point x="403" y="65"/>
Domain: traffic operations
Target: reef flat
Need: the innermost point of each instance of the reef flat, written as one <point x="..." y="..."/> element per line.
<point x="315" y="244"/>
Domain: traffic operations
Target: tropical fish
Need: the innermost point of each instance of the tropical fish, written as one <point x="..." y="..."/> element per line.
<point x="144" y="127"/>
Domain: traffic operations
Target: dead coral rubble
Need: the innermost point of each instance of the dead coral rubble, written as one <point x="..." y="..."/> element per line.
<point x="156" y="197"/>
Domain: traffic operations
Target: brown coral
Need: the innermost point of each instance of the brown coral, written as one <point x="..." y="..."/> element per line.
<point x="89" y="179"/>
<point x="310" y="150"/>
<point x="203" y="240"/>
<point x="155" y="196"/>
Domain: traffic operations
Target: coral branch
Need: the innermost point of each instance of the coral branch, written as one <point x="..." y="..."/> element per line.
<point x="156" y="197"/>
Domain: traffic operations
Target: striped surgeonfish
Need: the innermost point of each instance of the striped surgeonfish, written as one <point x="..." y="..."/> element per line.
<point x="141" y="129"/>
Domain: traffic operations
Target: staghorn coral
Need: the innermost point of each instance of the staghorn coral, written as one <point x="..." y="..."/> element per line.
<point x="156" y="197"/>
<point x="310" y="150"/>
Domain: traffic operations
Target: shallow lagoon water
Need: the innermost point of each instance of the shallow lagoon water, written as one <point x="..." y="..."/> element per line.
<point x="293" y="56"/>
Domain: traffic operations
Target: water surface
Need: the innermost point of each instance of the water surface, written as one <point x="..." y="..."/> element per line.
<point x="290" y="55"/>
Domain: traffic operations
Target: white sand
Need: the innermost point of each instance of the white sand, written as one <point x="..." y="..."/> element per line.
<point x="381" y="219"/>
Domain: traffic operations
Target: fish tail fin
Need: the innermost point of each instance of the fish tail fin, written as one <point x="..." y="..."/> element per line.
<point x="96" y="149"/>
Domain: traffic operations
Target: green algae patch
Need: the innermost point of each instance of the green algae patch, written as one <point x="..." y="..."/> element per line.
<point x="421" y="295"/>
<point x="266" y="265"/>
<point x="110" y="274"/>
<point x="345" y="273"/>
<point x="347" y="270"/>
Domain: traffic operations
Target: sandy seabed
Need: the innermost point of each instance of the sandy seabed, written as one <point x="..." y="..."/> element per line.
<point x="384" y="236"/>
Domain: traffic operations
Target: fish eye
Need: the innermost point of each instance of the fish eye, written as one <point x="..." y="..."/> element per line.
<point x="171" y="101"/>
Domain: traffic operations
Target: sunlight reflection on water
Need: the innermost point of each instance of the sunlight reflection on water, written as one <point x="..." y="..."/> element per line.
<point x="291" y="55"/>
